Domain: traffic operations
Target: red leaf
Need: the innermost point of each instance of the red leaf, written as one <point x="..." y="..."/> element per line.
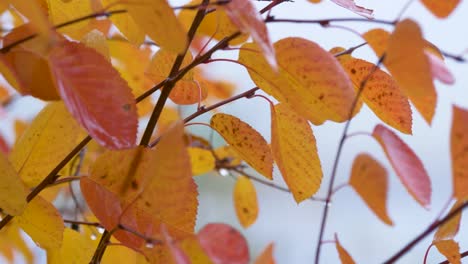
<point x="224" y="244"/>
<point x="407" y="165"/>
<point x="243" y="14"/>
<point x="95" y="94"/>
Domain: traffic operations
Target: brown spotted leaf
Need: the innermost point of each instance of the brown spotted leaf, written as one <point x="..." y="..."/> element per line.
<point x="245" y="201"/>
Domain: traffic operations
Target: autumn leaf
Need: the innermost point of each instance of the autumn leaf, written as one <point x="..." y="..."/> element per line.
<point x="310" y="80"/>
<point x="108" y="115"/>
<point x="33" y="11"/>
<point x="369" y="180"/>
<point x="441" y="9"/>
<point x="43" y="223"/>
<point x="342" y="253"/>
<point x="4" y="147"/>
<point x="96" y="40"/>
<point x="228" y="156"/>
<point x="351" y="6"/>
<point x="449" y="229"/>
<point x="295" y="152"/>
<point x="223" y="244"/>
<point x="267" y="256"/>
<point x="76" y="246"/>
<point x="194" y="251"/>
<point x="459" y="153"/>
<point x="409" y="65"/>
<point x="157" y="19"/>
<point x="450" y="250"/>
<point x="45" y="143"/>
<point x="185" y="91"/>
<point x="406" y="164"/>
<point x="12" y="191"/>
<point x="439" y="70"/>
<point x="244" y="15"/>
<point x="250" y="145"/>
<point x="125" y="23"/>
<point x="245" y="201"/>
<point x="202" y="160"/>
<point x="381" y="93"/>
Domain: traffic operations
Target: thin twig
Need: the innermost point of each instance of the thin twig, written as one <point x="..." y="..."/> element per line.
<point x="68" y="221"/>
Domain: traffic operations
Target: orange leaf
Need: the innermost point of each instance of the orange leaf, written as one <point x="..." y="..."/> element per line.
<point x="459" y="153"/>
<point x="342" y="253"/>
<point x="410" y="67"/>
<point x="449" y="229"/>
<point x="62" y="12"/>
<point x="369" y="180"/>
<point x="155" y="186"/>
<point x="441" y="9"/>
<point x="33" y="11"/>
<point x="267" y="256"/>
<point x="186" y="91"/>
<point x="223" y="244"/>
<point x="250" y="145"/>
<point x="450" y="250"/>
<point x="378" y="40"/>
<point x="310" y="80"/>
<point x="295" y="152"/>
<point x="407" y="165"/>
<point x="244" y="15"/>
<point x="381" y="93"/>
<point x="95" y="94"/>
<point x="351" y="6"/>
<point x="245" y="201"/>
<point x="157" y="19"/>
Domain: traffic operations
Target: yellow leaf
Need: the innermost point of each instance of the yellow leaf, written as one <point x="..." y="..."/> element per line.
<point x="186" y="90"/>
<point x="49" y="138"/>
<point x="410" y="67"/>
<point x="441" y="9"/>
<point x="11" y="238"/>
<point x="378" y="40"/>
<point x="245" y="201"/>
<point x="61" y="12"/>
<point x="20" y="127"/>
<point x="459" y="153"/>
<point x="250" y="145"/>
<point x="125" y="23"/>
<point x="168" y="116"/>
<point x="295" y="152"/>
<point x="202" y="160"/>
<point x="76" y="249"/>
<point x="194" y="251"/>
<point x="228" y="156"/>
<point x="96" y="40"/>
<point x="342" y="253"/>
<point x="369" y="180"/>
<point x="157" y="19"/>
<point x="35" y="14"/>
<point x="12" y="191"/>
<point x="450" y="250"/>
<point x="449" y="229"/>
<point x="310" y="80"/>
<point x="381" y="93"/>
<point x="43" y="223"/>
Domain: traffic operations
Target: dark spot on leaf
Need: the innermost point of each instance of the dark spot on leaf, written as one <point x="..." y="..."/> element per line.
<point x="126" y="107"/>
<point x="245" y="210"/>
<point x="134" y="185"/>
<point x="353" y="71"/>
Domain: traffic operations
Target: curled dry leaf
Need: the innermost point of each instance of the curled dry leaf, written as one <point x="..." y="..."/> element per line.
<point x="441" y="9"/>
<point x="223" y="244"/>
<point x="459" y="153"/>
<point x="295" y="152"/>
<point x="310" y="80"/>
<point x="250" y="145"/>
<point x="369" y="180"/>
<point x="245" y="201"/>
<point x="406" y="164"/>
<point x="247" y="19"/>
<point x="108" y="115"/>
<point x="351" y="6"/>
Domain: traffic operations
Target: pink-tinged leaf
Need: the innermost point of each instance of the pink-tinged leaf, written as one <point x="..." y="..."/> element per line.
<point x="223" y="244"/>
<point x="407" y="165"/>
<point x="439" y="70"/>
<point x="244" y="15"/>
<point x="351" y="6"/>
<point x="95" y="94"/>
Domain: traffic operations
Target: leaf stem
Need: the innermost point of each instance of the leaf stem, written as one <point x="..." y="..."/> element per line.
<point x="101" y="248"/>
<point x="427" y="253"/>
<point x="425" y="233"/>
<point x="338" y="155"/>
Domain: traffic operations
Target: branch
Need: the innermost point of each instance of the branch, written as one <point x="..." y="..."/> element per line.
<point x="324" y="22"/>
<point x="338" y="155"/>
<point x="462" y="255"/>
<point x="74" y="222"/>
<point x="425" y="233"/>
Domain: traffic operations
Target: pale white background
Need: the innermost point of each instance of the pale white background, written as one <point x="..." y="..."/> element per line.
<point x="294" y="228"/>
